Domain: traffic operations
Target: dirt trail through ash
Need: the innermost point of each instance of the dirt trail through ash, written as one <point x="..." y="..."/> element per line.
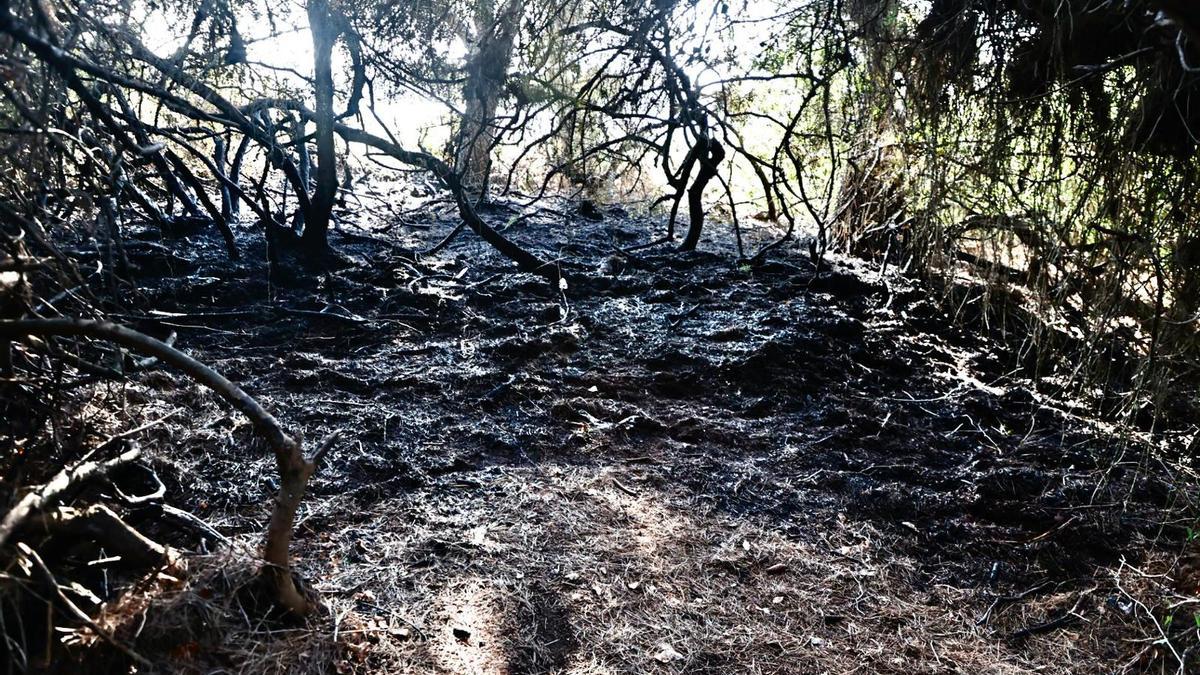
<point x="680" y="464"/>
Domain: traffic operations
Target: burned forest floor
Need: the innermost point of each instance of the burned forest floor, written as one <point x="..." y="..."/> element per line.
<point x="681" y="463"/>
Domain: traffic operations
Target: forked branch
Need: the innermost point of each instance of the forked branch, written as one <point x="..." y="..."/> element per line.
<point x="294" y="469"/>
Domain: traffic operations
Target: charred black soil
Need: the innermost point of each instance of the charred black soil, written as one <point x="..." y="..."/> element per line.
<point x="679" y="462"/>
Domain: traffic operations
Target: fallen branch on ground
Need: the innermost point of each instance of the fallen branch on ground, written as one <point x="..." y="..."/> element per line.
<point x="40" y="498"/>
<point x="103" y="525"/>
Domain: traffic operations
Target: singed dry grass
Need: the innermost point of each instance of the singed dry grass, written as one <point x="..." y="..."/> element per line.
<point x="569" y="569"/>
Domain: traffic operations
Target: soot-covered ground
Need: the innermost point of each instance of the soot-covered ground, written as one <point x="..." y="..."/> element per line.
<point x="682" y="463"/>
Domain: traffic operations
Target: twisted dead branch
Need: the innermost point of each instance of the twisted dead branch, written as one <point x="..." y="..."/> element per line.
<point x="294" y="468"/>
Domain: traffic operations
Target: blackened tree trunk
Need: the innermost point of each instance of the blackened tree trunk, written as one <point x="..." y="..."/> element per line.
<point x="487" y="70"/>
<point x="710" y="155"/>
<point x="235" y="175"/>
<point x="220" y="156"/>
<point x="325" y="30"/>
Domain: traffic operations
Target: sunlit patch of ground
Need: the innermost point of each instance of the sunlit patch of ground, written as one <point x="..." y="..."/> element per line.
<point x="466" y="636"/>
<point x="587" y="570"/>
